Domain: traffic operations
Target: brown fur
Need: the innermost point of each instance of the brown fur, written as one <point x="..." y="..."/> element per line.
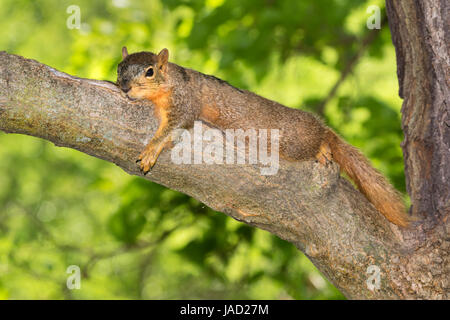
<point x="370" y="182"/>
<point x="182" y="96"/>
<point x="209" y="113"/>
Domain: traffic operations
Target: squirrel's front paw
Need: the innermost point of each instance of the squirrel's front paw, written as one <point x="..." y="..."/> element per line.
<point x="147" y="160"/>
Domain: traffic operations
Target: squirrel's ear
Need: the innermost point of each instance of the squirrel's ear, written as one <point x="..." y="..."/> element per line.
<point x="124" y="52"/>
<point x="163" y="58"/>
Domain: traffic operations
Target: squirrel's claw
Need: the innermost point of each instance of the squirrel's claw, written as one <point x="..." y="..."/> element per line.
<point x="324" y="156"/>
<point x="145" y="168"/>
<point x="143" y="171"/>
<point x="149" y="156"/>
<point x="146" y="161"/>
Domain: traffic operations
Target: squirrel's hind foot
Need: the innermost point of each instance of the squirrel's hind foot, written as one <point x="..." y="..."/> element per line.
<point x="324" y="156"/>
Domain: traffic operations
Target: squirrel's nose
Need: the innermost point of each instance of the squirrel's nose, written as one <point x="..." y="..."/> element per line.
<point x="125" y="89"/>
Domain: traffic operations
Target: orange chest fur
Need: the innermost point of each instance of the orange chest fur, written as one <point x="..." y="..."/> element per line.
<point x="162" y="101"/>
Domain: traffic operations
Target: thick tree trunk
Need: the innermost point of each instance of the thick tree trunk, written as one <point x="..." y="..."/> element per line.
<point x="421" y="35"/>
<point x="306" y="204"/>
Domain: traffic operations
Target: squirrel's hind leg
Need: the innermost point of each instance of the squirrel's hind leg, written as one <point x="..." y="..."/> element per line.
<point x="324" y="156"/>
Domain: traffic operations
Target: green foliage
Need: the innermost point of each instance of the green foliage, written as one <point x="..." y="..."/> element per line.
<point x="135" y="239"/>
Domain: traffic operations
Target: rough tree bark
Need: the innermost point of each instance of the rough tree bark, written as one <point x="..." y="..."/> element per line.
<point x="306" y="204"/>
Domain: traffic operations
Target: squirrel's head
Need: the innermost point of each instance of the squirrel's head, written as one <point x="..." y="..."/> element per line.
<point x="143" y="75"/>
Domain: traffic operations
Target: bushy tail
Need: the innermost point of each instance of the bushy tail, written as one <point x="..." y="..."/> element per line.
<point x="370" y="182"/>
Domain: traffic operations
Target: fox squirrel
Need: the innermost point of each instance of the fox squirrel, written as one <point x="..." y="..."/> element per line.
<point x="181" y="96"/>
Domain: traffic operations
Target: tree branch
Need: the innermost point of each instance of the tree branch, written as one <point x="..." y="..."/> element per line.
<point x="305" y="203"/>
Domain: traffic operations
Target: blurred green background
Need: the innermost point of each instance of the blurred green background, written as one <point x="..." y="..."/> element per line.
<point x="134" y="239"/>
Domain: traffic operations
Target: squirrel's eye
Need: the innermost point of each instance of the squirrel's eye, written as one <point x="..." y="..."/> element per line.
<point x="149" y="72"/>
